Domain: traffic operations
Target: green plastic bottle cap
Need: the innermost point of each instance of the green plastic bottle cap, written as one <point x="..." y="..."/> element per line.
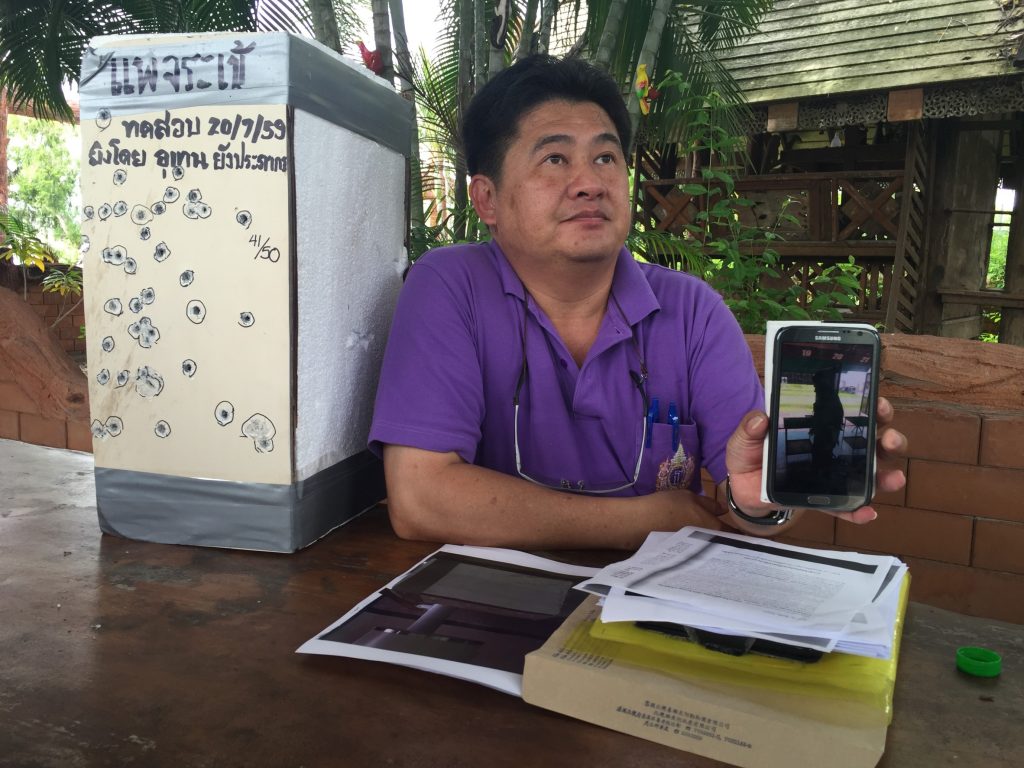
<point x="979" y="662"/>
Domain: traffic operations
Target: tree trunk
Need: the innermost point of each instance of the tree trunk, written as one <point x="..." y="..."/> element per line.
<point x="3" y="147"/>
<point x="527" y="37"/>
<point x="547" y="20"/>
<point x="466" y="26"/>
<point x="497" y="36"/>
<point x="405" y="75"/>
<point x="610" y="34"/>
<point x="480" y="47"/>
<point x="325" y="23"/>
<point x="649" y="56"/>
<point x="382" y="38"/>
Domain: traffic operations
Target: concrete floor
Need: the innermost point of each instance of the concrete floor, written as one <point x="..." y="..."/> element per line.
<point x="116" y="652"/>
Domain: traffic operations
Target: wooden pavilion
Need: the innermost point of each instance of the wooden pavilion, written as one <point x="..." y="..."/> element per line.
<point x="886" y="127"/>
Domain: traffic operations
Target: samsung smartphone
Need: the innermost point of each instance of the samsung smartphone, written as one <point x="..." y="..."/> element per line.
<point x="824" y="391"/>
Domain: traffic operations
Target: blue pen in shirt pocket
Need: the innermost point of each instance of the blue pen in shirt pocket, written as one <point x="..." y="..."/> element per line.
<point x="673" y="420"/>
<point x="653" y="417"/>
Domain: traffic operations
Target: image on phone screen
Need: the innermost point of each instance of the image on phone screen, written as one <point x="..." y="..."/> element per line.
<point x="824" y="433"/>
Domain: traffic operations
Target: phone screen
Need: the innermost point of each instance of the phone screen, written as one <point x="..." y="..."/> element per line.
<point x="822" y="446"/>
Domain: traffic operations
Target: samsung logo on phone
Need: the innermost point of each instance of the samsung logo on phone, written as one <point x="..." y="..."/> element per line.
<point x="827" y="338"/>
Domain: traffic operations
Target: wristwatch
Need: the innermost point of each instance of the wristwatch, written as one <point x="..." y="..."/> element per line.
<point x="775" y="517"/>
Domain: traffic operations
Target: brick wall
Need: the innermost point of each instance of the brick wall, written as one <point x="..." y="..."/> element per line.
<point x="49" y="306"/>
<point x="43" y="393"/>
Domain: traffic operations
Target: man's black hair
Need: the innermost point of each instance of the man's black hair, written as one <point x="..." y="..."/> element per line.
<point x="492" y="119"/>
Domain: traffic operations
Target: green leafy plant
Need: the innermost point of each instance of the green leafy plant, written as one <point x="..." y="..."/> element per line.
<point x="68" y="283"/>
<point x="740" y="262"/>
<point x="20" y="243"/>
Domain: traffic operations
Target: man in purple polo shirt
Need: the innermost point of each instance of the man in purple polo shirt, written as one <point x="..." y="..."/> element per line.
<point x="521" y="375"/>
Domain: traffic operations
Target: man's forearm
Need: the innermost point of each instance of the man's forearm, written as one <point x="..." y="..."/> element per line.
<point x="437" y="497"/>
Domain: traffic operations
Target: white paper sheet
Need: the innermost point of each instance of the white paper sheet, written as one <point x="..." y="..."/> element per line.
<point x="739" y="585"/>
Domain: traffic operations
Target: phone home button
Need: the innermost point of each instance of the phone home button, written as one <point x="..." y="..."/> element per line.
<point x="819" y="501"/>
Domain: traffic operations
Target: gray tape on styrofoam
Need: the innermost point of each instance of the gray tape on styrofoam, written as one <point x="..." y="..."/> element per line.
<point x="219" y="513"/>
<point x="129" y="75"/>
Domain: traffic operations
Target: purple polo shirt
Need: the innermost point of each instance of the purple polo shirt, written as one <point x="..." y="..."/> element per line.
<point x="455" y="355"/>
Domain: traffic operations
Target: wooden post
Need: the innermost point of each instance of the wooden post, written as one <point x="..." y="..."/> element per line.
<point x="1012" y="327"/>
<point x="966" y="176"/>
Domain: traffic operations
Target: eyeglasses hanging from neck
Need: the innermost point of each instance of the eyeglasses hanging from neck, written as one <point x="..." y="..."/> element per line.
<point x="639" y="379"/>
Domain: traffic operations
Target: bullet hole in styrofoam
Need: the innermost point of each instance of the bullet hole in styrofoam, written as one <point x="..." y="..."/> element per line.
<point x="195" y="311"/>
<point x="161" y="252"/>
<point x="148" y="383"/>
<point x="122" y="379"/>
<point x="133" y="330"/>
<point x="102" y="119"/>
<point x="186" y="278"/>
<point x="114" y="426"/>
<point x="88" y="212"/>
<point x="261" y="431"/>
<point x="244" y="218"/>
<point x="145" y="233"/>
<point x="104" y="211"/>
<point x="171" y="194"/>
<point x="148" y="295"/>
<point x="245" y="319"/>
<point x="189" y="209"/>
<point x="189" y="367"/>
<point x="103" y="376"/>
<point x="113" y="307"/>
<point x="148" y="333"/>
<point x="194" y="195"/>
<point x="107" y="345"/>
<point x="98" y="430"/>
<point x="120" y="208"/>
<point x="115" y="255"/>
<point x="135" y="304"/>
<point x="358" y="339"/>
<point x="177" y="172"/>
<point x="224" y="413"/>
<point x="120" y="175"/>
<point x="203" y="211"/>
<point x="162" y="428"/>
<point x="141" y="215"/>
<point x="130" y="266"/>
<point x="84" y="247"/>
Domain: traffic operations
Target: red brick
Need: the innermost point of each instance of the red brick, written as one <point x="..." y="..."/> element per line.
<point x="69" y="333"/>
<point x="938" y="431"/>
<point x="974" y="591"/>
<point x="965" y="490"/>
<point x="79" y="436"/>
<point x="34" y="298"/>
<point x="51" y="298"/>
<point x="999" y="546"/>
<point x="13" y="398"/>
<point x="813" y="528"/>
<point x="50" y="312"/>
<point x="1002" y="440"/>
<point x="9" y="425"/>
<point x="910" y="532"/>
<point x="42" y="431"/>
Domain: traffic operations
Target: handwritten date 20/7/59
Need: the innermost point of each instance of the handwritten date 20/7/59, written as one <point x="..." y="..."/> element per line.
<point x="264" y="250"/>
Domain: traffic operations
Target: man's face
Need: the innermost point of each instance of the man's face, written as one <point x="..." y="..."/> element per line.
<point x="563" y="195"/>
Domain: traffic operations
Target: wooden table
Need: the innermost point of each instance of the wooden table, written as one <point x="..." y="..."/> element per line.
<point x="116" y="653"/>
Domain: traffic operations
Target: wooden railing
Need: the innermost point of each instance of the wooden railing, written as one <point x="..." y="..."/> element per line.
<point x="830" y="217"/>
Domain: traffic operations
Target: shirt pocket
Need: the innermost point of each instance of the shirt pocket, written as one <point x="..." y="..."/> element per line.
<point x="666" y="469"/>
